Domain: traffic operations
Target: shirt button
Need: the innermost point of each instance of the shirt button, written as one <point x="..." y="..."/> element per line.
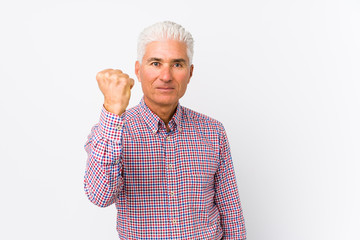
<point x="119" y="127"/>
<point x="170" y="166"/>
<point x="168" y="138"/>
<point x="172" y="193"/>
<point x="180" y="129"/>
<point x="117" y="161"/>
<point x="174" y="221"/>
<point x="154" y="131"/>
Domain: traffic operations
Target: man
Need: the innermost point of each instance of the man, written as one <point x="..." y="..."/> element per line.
<point x="167" y="168"/>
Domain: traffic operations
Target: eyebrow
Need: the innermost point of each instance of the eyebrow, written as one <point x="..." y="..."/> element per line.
<point x="176" y="60"/>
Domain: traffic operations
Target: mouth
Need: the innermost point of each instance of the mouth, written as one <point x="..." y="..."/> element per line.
<point x="165" y="88"/>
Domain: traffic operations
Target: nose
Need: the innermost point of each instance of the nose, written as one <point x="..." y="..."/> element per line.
<point x="165" y="74"/>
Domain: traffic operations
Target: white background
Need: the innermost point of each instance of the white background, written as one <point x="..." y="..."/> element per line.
<point x="283" y="77"/>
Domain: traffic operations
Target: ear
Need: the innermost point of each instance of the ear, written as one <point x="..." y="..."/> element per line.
<point x="191" y="71"/>
<point x="137" y="70"/>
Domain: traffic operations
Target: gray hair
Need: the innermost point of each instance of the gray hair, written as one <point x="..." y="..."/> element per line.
<point x="165" y="31"/>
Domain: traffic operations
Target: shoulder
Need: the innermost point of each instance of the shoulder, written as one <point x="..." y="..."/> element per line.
<point x="202" y="120"/>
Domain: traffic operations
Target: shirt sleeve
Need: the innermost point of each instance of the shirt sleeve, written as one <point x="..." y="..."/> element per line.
<point x="227" y="196"/>
<point x="103" y="175"/>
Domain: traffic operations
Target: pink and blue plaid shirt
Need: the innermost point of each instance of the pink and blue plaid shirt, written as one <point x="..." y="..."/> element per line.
<point x="166" y="185"/>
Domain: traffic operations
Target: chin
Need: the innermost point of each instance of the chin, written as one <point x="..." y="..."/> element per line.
<point x="167" y="100"/>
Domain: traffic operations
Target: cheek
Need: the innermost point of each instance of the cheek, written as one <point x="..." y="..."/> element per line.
<point x="185" y="79"/>
<point x="184" y="86"/>
<point x="148" y="74"/>
<point x="147" y="79"/>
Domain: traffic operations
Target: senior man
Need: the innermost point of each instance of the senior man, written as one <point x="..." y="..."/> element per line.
<point x="167" y="168"/>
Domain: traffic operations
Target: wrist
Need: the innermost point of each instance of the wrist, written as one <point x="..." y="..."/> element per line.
<point x="117" y="109"/>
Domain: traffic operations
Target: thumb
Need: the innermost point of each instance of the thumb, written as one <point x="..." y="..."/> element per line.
<point x="132" y="83"/>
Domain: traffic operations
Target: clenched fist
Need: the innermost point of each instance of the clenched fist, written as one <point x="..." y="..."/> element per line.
<point x="116" y="87"/>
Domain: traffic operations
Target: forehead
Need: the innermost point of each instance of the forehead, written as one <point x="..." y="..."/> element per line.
<point x="166" y="49"/>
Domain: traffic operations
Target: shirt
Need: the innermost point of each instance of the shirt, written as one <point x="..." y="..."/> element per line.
<point x="177" y="184"/>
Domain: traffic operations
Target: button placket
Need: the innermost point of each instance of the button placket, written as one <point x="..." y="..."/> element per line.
<point x="169" y="147"/>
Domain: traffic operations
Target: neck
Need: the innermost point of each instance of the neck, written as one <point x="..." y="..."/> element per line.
<point x="165" y="112"/>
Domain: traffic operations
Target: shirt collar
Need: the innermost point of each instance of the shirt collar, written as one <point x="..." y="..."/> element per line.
<point x="153" y="120"/>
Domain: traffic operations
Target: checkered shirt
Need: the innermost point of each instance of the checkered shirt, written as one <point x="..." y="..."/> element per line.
<point x="166" y="185"/>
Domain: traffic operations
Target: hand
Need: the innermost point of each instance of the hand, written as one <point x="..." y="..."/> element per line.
<point x="116" y="87"/>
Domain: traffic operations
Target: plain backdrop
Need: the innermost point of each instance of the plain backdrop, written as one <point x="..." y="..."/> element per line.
<point x="282" y="76"/>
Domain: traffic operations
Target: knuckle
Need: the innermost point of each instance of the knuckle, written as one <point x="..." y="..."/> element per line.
<point x="125" y="75"/>
<point x="107" y="75"/>
<point x="99" y="75"/>
<point x="114" y="76"/>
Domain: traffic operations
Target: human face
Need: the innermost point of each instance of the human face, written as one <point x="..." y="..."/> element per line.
<point x="164" y="74"/>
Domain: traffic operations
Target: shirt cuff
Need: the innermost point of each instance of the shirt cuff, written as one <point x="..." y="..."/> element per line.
<point x="111" y="125"/>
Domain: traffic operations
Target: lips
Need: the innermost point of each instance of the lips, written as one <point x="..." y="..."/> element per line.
<point x="165" y="88"/>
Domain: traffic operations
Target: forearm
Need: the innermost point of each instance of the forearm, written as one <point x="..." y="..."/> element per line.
<point x="232" y="219"/>
<point x="103" y="178"/>
<point x="227" y="196"/>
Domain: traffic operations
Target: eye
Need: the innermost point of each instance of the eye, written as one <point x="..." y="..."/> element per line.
<point x="156" y="64"/>
<point x="177" y="65"/>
